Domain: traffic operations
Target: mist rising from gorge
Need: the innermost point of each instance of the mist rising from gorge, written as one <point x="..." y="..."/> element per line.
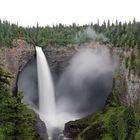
<point x="86" y="83"/>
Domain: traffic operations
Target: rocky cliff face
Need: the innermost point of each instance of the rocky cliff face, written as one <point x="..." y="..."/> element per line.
<point x="14" y="60"/>
<point x="40" y="128"/>
<point x="128" y="80"/>
<point x="58" y="59"/>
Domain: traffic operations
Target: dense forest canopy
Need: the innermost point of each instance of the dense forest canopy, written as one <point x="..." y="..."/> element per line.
<point x="118" y="34"/>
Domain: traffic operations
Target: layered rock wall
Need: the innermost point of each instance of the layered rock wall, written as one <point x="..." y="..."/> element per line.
<point x="14" y="60"/>
<point x="129" y="81"/>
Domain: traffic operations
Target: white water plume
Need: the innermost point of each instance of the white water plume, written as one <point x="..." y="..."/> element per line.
<point x="46" y="89"/>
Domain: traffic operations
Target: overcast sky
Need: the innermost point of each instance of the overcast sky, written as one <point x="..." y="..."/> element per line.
<point x="29" y="12"/>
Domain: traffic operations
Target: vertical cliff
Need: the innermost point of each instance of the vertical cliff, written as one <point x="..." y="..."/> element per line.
<point x="14" y="59"/>
<point x="128" y="78"/>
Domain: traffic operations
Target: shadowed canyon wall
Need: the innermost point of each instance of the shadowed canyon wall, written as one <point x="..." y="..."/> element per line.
<point x="15" y="59"/>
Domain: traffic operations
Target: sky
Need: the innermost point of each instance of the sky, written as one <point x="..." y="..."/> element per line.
<point x="49" y="12"/>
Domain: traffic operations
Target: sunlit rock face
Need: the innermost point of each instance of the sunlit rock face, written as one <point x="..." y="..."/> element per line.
<point x="128" y="83"/>
<point x="14" y="59"/>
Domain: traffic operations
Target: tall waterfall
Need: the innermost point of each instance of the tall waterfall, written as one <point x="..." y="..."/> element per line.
<point x="46" y="88"/>
<point x="47" y="111"/>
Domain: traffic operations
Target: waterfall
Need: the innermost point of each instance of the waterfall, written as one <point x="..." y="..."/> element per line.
<point x="46" y="88"/>
<point x="47" y="107"/>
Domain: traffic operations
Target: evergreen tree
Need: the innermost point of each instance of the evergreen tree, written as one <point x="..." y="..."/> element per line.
<point x="16" y="120"/>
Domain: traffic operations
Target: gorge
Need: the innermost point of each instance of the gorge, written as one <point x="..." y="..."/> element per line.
<point x="95" y="67"/>
<point x="63" y="80"/>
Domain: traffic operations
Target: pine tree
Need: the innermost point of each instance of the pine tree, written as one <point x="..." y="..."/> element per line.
<point x="16" y="120"/>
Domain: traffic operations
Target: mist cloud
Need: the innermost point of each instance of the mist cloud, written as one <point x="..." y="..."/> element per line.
<point x="86" y="82"/>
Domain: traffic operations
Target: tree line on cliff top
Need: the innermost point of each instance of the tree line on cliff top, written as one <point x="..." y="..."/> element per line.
<point x="122" y="35"/>
<point x="118" y="34"/>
